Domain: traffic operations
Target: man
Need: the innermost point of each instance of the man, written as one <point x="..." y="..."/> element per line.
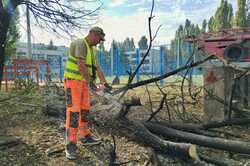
<point x="80" y="75"/>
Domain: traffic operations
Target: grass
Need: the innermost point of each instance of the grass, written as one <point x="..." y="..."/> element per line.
<point x="197" y="80"/>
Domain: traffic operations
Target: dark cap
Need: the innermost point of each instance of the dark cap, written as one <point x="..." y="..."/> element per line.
<point x="99" y="31"/>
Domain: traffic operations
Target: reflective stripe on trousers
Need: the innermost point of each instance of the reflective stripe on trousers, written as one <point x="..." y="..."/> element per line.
<point x="78" y="105"/>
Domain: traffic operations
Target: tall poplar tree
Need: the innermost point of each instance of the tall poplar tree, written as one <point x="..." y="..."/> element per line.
<point x="204" y="26"/>
<point x="241" y="16"/>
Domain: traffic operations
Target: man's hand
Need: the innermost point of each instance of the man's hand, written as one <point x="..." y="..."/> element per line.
<point x="108" y="88"/>
<point x="92" y="86"/>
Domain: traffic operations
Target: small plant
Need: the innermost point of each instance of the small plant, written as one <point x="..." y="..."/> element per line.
<point x="26" y="85"/>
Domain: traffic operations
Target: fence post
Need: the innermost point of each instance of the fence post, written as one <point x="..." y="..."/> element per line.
<point x="162" y="63"/>
<point x="193" y="70"/>
<point x="137" y="63"/>
<point x="61" y="70"/>
<point x="112" y="60"/>
<point x="179" y="58"/>
<point x="117" y="62"/>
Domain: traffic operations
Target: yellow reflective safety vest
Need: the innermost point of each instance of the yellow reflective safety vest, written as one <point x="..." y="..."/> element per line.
<point x="72" y="69"/>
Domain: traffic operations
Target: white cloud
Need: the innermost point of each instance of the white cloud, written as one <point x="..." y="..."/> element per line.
<point x="133" y="26"/>
<point x="115" y="3"/>
<point x="136" y="24"/>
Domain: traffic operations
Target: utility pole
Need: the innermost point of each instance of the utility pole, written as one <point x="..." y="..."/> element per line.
<point x="29" y="52"/>
<point x="112" y="59"/>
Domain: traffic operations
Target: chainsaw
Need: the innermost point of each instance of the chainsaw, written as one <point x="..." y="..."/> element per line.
<point x="101" y="92"/>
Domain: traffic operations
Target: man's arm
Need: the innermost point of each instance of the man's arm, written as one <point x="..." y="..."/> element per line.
<point x="102" y="78"/>
<point x="100" y="75"/>
<point x="80" y="52"/>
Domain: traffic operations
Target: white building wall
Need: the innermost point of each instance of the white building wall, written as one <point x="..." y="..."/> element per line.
<point x="151" y="63"/>
<point x="55" y="57"/>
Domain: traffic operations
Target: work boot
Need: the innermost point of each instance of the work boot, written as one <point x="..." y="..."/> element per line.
<point x="71" y="151"/>
<point x="90" y="140"/>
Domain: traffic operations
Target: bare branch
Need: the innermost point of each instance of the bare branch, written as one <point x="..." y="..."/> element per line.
<point x="144" y="82"/>
<point x="159" y="108"/>
<point x="148" y="50"/>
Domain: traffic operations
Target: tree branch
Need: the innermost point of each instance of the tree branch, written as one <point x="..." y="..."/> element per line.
<point x="144" y="82"/>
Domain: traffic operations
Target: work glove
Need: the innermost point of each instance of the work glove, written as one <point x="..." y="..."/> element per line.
<point x="108" y="88"/>
<point x="92" y="86"/>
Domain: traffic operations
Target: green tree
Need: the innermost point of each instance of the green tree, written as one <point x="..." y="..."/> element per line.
<point x="223" y="17"/>
<point x="57" y="16"/>
<point x="126" y="44"/>
<point x="197" y="30"/>
<point x="211" y="23"/>
<point x="241" y="15"/>
<point x="180" y="32"/>
<point x="230" y="16"/>
<point x="132" y="44"/>
<point x="143" y="43"/>
<point x="187" y="27"/>
<point x="204" y="26"/>
<point x="179" y="45"/>
<point x="101" y="46"/>
<point x="51" y="45"/>
<point x="12" y="35"/>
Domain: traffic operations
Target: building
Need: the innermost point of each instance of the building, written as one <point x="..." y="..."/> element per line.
<point x="151" y="64"/>
<point x="55" y="55"/>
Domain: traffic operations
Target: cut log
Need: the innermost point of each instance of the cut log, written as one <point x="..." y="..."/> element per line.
<point x="196" y="127"/>
<point x="234" y="121"/>
<point x="217" y="161"/>
<point x="8" y="141"/>
<point x="140" y="134"/>
<point x="212" y="142"/>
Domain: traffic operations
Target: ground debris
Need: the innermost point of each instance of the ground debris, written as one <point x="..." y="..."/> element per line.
<point x="54" y="150"/>
<point x="8" y="141"/>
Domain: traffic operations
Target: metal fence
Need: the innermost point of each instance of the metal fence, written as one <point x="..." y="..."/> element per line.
<point x="118" y="62"/>
<point x="159" y="61"/>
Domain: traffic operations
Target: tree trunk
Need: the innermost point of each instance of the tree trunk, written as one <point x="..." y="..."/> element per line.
<point x="6" y="12"/>
<point x="4" y="24"/>
<point x="140" y="134"/>
<point x="212" y="142"/>
<point x="191" y="127"/>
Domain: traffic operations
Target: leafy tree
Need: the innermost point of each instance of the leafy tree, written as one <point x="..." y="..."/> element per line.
<point x="132" y="44"/>
<point x="187" y="27"/>
<point x="101" y="47"/>
<point x="223" y="17"/>
<point x="51" y="45"/>
<point x="248" y="13"/>
<point x="248" y="20"/>
<point x="189" y="30"/>
<point x="12" y="35"/>
<point x="143" y="43"/>
<point x="56" y="16"/>
<point x="180" y="32"/>
<point x="204" y="26"/>
<point x="126" y="45"/>
<point x="230" y="16"/>
<point x="241" y="16"/>
<point x="197" y="30"/>
<point x="211" y="26"/>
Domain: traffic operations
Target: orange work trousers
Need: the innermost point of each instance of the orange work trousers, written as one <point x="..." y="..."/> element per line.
<point x="78" y="106"/>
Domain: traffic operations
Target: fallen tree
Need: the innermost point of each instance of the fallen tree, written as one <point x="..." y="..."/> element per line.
<point x="212" y="142"/>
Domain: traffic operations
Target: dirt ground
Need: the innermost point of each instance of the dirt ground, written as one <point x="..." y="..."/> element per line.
<point x="37" y="139"/>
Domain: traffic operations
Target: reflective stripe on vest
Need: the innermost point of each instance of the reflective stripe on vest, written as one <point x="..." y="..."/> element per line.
<point x="91" y="60"/>
<point x="71" y="67"/>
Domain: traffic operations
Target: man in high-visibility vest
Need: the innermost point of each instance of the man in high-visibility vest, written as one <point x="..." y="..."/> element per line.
<point x="80" y="74"/>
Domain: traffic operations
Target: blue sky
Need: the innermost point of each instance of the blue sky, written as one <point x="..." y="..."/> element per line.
<point x="129" y="18"/>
